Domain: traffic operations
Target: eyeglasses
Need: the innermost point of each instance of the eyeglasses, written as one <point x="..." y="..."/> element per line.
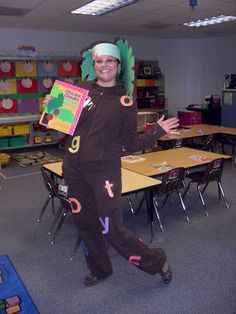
<point x="108" y="61"/>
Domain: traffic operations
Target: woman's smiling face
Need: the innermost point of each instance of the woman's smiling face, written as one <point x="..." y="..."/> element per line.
<point x="106" y="70"/>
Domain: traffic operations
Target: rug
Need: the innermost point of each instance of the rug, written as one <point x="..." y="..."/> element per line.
<point x="14" y="297"/>
<point x="37" y="157"/>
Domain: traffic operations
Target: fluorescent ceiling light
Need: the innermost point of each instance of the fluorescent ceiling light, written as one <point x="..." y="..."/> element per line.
<point x="99" y="7"/>
<point x="211" y="21"/>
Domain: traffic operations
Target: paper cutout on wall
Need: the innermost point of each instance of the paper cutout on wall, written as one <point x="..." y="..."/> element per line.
<point x="7" y="87"/>
<point x="47" y="68"/>
<point x="7" y="68"/>
<point x="45" y="84"/>
<point x="30" y="105"/>
<point x="8" y="105"/>
<point x="69" y="80"/>
<point x="26" y="68"/>
<point x="68" y="68"/>
<point x="27" y="86"/>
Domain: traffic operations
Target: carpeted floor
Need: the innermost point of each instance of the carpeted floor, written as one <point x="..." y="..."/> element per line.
<point x="202" y="255"/>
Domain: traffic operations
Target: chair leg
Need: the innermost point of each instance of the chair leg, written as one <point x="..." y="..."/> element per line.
<point x="63" y="216"/>
<point x="55" y="220"/>
<point x="186" y="189"/>
<point x="50" y="197"/>
<point x="130" y="204"/>
<point x="53" y="206"/>
<point x="201" y="198"/>
<point x="183" y="205"/>
<point x="75" y="249"/>
<point x="223" y="194"/>
<point x="157" y="213"/>
<point x="165" y="199"/>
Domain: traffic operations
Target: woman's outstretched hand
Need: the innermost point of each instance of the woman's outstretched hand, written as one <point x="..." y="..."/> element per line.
<point x="47" y="100"/>
<point x="169" y="125"/>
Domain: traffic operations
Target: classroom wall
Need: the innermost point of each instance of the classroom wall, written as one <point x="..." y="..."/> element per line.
<point x="193" y="68"/>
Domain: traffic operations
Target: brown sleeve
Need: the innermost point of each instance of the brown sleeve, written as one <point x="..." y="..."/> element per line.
<point x="133" y="141"/>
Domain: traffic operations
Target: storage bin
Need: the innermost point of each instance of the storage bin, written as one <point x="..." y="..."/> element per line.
<point x="19" y="129"/>
<point x="17" y="141"/>
<point x="4" y="142"/>
<point x="189" y="117"/>
<point x="4" y="159"/>
<point x="5" y="130"/>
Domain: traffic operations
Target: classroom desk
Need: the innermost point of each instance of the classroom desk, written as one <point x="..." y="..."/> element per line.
<point x="217" y="129"/>
<point x="179" y="157"/>
<point x="184" y="133"/>
<point x="131" y="183"/>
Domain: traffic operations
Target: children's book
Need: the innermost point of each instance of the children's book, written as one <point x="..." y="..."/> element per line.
<point x="63" y="112"/>
<point x="132" y="158"/>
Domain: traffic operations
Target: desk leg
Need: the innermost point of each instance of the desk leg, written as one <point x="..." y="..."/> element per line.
<point x="233" y="150"/>
<point x="150" y="209"/>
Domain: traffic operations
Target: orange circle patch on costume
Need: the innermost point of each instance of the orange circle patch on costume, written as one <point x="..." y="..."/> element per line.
<point x="126" y="101"/>
<point x="77" y="203"/>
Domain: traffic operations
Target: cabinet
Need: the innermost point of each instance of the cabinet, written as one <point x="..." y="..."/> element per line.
<point x="228" y="117"/>
<point x="149" y="93"/>
<point x="24" y="82"/>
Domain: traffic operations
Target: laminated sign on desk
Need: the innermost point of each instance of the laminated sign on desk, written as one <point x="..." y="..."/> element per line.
<point x="63" y="112"/>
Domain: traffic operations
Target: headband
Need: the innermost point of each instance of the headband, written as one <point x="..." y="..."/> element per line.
<point x="120" y="50"/>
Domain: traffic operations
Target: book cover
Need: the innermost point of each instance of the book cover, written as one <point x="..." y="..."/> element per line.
<point x="132" y="158"/>
<point x="63" y="112"/>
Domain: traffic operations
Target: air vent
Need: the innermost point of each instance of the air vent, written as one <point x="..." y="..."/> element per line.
<point x="7" y="11"/>
<point x="156" y="25"/>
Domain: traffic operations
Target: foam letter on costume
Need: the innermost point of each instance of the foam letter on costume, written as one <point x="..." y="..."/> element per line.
<point x="77" y="203"/>
<point x="126" y="101"/>
<point x="108" y="186"/>
<point x="105" y="224"/>
<point x="134" y="260"/>
<point x="74" y="145"/>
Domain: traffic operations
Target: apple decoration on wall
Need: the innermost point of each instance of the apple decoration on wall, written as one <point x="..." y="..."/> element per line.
<point x="5" y="66"/>
<point x="47" y="82"/>
<point x="4" y="85"/>
<point x="68" y="80"/>
<point x="67" y="66"/>
<point x="27" y="67"/>
<point x="26" y="82"/>
<point x="7" y="103"/>
<point x="48" y="66"/>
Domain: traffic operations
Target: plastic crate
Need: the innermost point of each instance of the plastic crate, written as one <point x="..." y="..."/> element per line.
<point x="19" y="129"/>
<point x="4" y="159"/>
<point x="4" y="142"/>
<point x="17" y="141"/>
<point x="5" y="130"/>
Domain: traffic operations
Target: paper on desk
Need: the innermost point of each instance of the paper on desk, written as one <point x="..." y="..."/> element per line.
<point x="162" y="166"/>
<point x="199" y="158"/>
<point x="132" y="158"/>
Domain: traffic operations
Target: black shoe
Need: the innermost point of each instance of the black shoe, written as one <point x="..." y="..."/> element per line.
<point x="166" y="273"/>
<point x="90" y="280"/>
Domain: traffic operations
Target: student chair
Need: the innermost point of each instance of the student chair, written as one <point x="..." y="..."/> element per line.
<point x="172" y="182"/>
<point x="64" y="205"/>
<point x="202" y="178"/>
<point x="64" y="209"/>
<point x="52" y="193"/>
<point x="208" y="144"/>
